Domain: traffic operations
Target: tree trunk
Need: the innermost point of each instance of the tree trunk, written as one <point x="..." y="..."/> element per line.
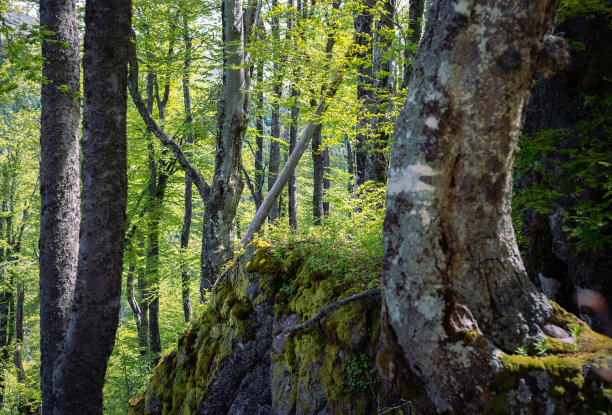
<point x="415" y="25"/>
<point x="317" y="173"/>
<point x="452" y="267"/>
<point x="259" y="175"/>
<point x="78" y="375"/>
<point x="326" y="180"/>
<point x="293" y="124"/>
<point x="382" y="90"/>
<point x="185" y="290"/>
<point x="363" y="32"/>
<point x="318" y="156"/>
<point x="59" y="182"/>
<point x="232" y="120"/>
<point x="275" y="127"/>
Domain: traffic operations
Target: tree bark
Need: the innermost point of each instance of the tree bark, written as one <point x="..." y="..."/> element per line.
<point x="452" y="266"/>
<point x="275" y="127"/>
<point x="232" y="120"/>
<point x="259" y="175"/>
<point x="59" y="181"/>
<point x="185" y="290"/>
<point x="415" y="25"/>
<point x="363" y="31"/>
<point x="78" y="375"/>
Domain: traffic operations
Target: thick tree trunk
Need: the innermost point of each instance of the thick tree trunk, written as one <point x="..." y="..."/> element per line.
<point x="59" y="182"/>
<point x="452" y="267"/>
<point x="78" y="375"/>
<point x="232" y="120"/>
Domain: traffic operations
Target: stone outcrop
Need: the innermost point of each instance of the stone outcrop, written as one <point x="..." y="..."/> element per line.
<point x="238" y="359"/>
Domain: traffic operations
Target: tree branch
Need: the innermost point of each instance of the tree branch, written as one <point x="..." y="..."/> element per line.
<point x="373" y="294"/>
<point x="196" y="176"/>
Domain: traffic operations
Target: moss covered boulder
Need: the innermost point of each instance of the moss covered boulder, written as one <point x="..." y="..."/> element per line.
<point x="238" y="357"/>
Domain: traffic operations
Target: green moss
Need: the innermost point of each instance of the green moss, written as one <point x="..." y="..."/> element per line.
<point x="241" y="311"/>
<point x="262" y="261"/>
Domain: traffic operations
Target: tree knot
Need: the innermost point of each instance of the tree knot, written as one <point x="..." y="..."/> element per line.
<point x="553" y="56"/>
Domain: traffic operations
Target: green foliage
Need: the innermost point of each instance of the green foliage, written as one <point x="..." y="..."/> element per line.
<point x="586" y="8"/>
<point x="574" y="164"/>
<point x="541" y="347"/>
<point x="520" y="351"/>
<point x="348" y="245"/>
<point x="358" y="374"/>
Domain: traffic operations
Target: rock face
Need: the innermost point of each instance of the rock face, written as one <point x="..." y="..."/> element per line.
<point x="560" y="103"/>
<point x="236" y="358"/>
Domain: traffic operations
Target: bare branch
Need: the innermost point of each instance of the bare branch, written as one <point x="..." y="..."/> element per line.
<point x="373" y="294"/>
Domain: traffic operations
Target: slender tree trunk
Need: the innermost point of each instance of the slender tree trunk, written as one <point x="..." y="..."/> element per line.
<point x="318" y="156"/>
<point x="259" y="176"/>
<point x="363" y="30"/>
<point x="382" y="90"/>
<point x="326" y="180"/>
<point x="275" y="127"/>
<point x="232" y="121"/>
<point x="293" y="124"/>
<point x="452" y="267"/>
<point x="415" y="25"/>
<point x="350" y="164"/>
<point x="59" y="182"/>
<point x="185" y="290"/>
<point x="317" y="172"/>
<point x="78" y="376"/>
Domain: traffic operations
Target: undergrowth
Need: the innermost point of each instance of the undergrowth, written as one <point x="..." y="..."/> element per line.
<point x="348" y="243"/>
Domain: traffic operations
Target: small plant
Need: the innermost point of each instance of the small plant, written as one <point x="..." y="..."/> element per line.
<point x="289" y="290"/>
<point x="357" y="375"/>
<point x="575" y="331"/>
<point x="521" y="351"/>
<point x="541" y="347"/>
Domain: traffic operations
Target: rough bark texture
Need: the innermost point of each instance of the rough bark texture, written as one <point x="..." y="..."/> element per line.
<point x="78" y="375"/>
<point x="452" y="266"/>
<point x="232" y="120"/>
<point x="317" y="174"/>
<point x="275" y="119"/>
<point x="59" y="182"/>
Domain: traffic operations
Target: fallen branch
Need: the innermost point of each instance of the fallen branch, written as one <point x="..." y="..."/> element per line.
<point x="369" y="294"/>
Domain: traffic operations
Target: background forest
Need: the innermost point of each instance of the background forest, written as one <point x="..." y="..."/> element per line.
<point x="334" y="202"/>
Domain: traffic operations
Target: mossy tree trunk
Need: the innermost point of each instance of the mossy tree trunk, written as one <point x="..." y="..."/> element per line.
<point x="452" y="268"/>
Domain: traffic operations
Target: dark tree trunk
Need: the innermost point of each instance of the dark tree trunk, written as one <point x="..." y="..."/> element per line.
<point x="318" y="156"/>
<point x="259" y="175"/>
<point x="275" y="127"/>
<point x="326" y="180"/>
<point x="293" y="125"/>
<point x="185" y="290"/>
<point x="317" y="173"/>
<point x="78" y="375"/>
<point x="59" y="182"/>
<point x="382" y="90"/>
<point x="452" y="267"/>
<point x="363" y="32"/>
<point x="415" y="25"/>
